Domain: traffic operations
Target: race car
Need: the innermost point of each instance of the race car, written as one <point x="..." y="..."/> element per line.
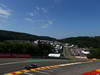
<point x="31" y="66"/>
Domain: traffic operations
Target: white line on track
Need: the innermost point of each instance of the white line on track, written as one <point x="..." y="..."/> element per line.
<point x="74" y="63"/>
<point x="13" y="63"/>
<point x="27" y="61"/>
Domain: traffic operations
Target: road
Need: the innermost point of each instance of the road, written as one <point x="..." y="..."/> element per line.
<point x="13" y="65"/>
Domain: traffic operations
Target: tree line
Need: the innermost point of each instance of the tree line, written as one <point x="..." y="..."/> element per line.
<point x="25" y="47"/>
<point x="84" y="42"/>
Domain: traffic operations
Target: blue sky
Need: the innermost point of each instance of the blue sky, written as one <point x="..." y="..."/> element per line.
<point x="55" y="18"/>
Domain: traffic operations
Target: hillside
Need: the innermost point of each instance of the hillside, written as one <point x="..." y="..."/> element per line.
<point x="10" y="35"/>
<point x="80" y="41"/>
<point x="83" y="41"/>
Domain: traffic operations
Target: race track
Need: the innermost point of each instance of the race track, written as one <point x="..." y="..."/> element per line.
<point x="58" y="66"/>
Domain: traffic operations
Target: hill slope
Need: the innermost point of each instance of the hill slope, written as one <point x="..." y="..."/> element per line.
<point x="84" y="41"/>
<point x="10" y="35"/>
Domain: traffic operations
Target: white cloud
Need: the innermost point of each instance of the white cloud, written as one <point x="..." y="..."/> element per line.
<point x="44" y="10"/>
<point x="39" y="18"/>
<point x="4" y="12"/>
<point x="3" y="16"/>
<point x="46" y="25"/>
<point x="31" y="14"/>
<point x="3" y="5"/>
<point x="29" y="19"/>
<point x="35" y="12"/>
<point x="38" y="11"/>
<point x="37" y="8"/>
<point x="50" y="22"/>
<point x="40" y="23"/>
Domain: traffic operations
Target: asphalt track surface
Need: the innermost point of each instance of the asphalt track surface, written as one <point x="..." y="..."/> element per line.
<point x="12" y="65"/>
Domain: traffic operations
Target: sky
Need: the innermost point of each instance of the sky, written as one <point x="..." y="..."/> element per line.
<point x="55" y="18"/>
